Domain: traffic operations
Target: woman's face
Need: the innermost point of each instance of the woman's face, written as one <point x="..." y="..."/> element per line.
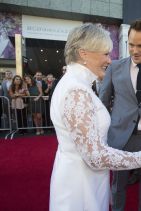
<point x="28" y="80"/>
<point x="50" y="78"/>
<point x="17" y="81"/>
<point x="97" y="62"/>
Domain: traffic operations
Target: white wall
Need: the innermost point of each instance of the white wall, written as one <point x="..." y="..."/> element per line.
<point x="123" y="41"/>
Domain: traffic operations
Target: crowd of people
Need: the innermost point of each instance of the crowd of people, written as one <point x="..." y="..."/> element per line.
<point x="27" y="95"/>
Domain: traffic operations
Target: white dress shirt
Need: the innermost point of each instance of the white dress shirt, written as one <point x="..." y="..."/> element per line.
<point x="134" y="72"/>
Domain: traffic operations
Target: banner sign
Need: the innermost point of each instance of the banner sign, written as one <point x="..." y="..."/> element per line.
<point x="47" y="28"/>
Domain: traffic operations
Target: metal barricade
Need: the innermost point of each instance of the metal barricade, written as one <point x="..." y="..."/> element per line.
<point x="33" y="115"/>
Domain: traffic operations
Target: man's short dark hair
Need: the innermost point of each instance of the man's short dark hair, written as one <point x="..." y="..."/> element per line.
<point x="136" y="25"/>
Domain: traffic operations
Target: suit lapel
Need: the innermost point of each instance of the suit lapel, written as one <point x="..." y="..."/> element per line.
<point x="128" y="78"/>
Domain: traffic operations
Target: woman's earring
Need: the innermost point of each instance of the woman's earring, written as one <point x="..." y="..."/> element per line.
<point x="84" y="63"/>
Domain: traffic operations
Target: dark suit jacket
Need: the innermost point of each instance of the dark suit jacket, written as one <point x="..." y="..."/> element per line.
<point x="125" y="108"/>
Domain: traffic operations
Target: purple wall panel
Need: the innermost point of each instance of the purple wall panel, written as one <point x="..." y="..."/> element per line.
<point x="10" y="25"/>
<point x="114" y="33"/>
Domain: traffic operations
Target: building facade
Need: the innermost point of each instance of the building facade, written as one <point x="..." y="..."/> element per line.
<point x="44" y="26"/>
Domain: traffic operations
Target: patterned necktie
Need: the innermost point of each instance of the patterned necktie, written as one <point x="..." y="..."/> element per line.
<point x="138" y="85"/>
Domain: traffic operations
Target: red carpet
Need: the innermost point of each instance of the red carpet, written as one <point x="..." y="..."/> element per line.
<point x="25" y="169"/>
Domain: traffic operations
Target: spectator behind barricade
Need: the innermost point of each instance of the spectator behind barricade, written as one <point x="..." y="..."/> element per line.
<point x="6" y="83"/>
<point x="17" y="92"/>
<point x="5" y="92"/>
<point x="44" y="78"/>
<point x="49" y="80"/>
<point x="35" y="102"/>
<point x="55" y="81"/>
<point x="64" y="68"/>
<point x="51" y="83"/>
<point x="39" y="79"/>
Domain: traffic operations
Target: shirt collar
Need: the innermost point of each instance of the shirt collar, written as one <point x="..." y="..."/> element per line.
<point x="133" y="63"/>
<point x="82" y="72"/>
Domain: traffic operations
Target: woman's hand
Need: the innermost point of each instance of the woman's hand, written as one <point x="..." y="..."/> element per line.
<point x="16" y="95"/>
<point x="36" y="98"/>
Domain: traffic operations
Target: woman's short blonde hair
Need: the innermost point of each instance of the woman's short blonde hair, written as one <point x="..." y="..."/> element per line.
<point x="91" y="37"/>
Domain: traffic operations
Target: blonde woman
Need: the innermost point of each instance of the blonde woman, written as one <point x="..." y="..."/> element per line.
<point x="80" y="177"/>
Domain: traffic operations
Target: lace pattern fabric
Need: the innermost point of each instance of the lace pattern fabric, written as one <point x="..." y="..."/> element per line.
<point x="80" y="118"/>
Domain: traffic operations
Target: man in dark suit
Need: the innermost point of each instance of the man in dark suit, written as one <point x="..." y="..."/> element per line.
<point x="125" y="130"/>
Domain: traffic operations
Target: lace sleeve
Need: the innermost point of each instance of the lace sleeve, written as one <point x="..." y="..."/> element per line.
<point x="80" y="119"/>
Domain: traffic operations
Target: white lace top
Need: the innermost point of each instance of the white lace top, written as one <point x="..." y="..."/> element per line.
<point x="86" y="121"/>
